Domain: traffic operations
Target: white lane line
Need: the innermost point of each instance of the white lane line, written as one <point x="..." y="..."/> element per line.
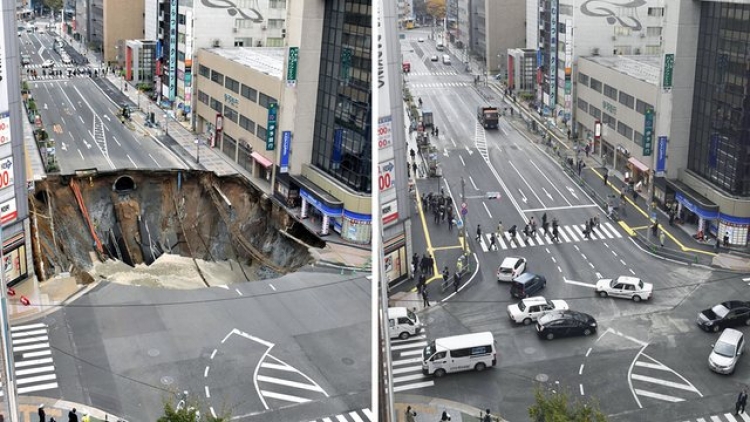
<point x="31" y="347"/>
<point x="631" y="271"/>
<point x="599" y="276"/>
<point x="584" y="257"/>
<point x="473" y="184"/>
<point x="29" y="340"/>
<point x="18" y="328"/>
<point x="37" y="354"/>
<point x="154" y="159"/>
<point x="745" y="417"/>
<point x="662" y="397"/>
<point x="487" y="209"/>
<point x="406" y="370"/>
<point x="131" y="160"/>
<point x="550" y="182"/>
<point x="614" y="253"/>
<point x="205" y="373"/>
<point x="553" y="258"/>
<point x="369" y="414"/>
<point x="19" y="334"/>
<point x="276" y="366"/>
<point x="284" y="397"/>
<point x="571" y="232"/>
<point x="406" y="361"/>
<point x="80" y="153"/>
<point x="272" y="287"/>
<point x="572" y="207"/>
<point x="115" y="139"/>
<point x="581" y="385"/>
<point x="208" y="393"/>
<point x="730" y="417"/>
<point x="580" y="370"/>
<point x="213" y="354"/>
<point x="659" y="381"/>
<point x="287" y="383"/>
<point x="410" y="339"/>
<point x="35" y="362"/>
<point x="591" y="265"/>
<point x="746" y="279"/>
<point x="413" y="386"/>
<point x="527" y="184"/>
<point x="462" y="160"/>
<point x="238" y="292"/>
<point x="412" y="353"/>
<point x="559" y="269"/>
<point x="213" y="412"/>
<point x="588" y="352"/>
<point x="29" y="380"/>
<point x="81" y="117"/>
<point x="341" y="418"/>
<point x="355" y="417"/>
<point x="409" y="346"/>
<point x="405" y="378"/>
<point x="622" y="261"/>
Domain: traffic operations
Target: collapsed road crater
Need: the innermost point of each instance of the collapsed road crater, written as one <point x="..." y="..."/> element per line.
<point x="193" y="223"/>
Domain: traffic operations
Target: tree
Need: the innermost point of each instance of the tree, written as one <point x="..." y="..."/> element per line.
<point x="53" y="5"/>
<point x="187" y="411"/>
<point x="554" y="406"/>
<point x="436" y="8"/>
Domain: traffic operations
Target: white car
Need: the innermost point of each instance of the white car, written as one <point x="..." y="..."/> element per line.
<point x="625" y="287"/>
<point x="511" y="268"/>
<point x="420" y="39"/>
<point x="531" y="308"/>
<point x="434" y="58"/>
<point x="48" y="63"/>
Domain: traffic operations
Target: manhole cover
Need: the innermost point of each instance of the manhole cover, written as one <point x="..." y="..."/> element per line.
<point x="153" y="352"/>
<point x="347" y="361"/>
<point x="167" y="380"/>
<point x="542" y="378"/>
<point x="529" y="350"/>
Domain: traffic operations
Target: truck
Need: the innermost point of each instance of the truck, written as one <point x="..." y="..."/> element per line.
<point x="488" y="116"/>
<point x="427" y="118"/>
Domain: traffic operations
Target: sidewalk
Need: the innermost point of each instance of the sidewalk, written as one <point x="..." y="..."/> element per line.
<point x="679" y="244"/>
<point x="28" y="408"/>
<point x="430" y="409"/>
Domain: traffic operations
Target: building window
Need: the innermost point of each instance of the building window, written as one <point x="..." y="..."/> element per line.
<point x="627" y="100"/>
<point x="180" y="56"/>
<point x="653" y="31"/>
<point x="625" y="130"/>
<point x="638" y="138"/>
<point x="656" y="11"/>
<point x="264" y="100"/>
<point x="583" y="79"/>
<point x="565" y="9"/>
<point x="216" y="104"/>
<point x="595" y="112"/>
<point x="275" y="23"/>
<point x="609" y="120"/>
<point x="231" y="84"/>
<point x="277" y="4"/>
<point x="583" y="105"/>
<point x="274" y="42"/>
<point x="230" y="114"/>
<point x="596" y="85"/>
<point x="249" y="93"/>
<point x="247" y="124"/>
<point x="243" y="23"/>
<point x="217" y="77"/>
<point x="641" y="107"/>
<point x="181" y="19"/>
<point x="622" y="31"/>
<point x="203" y="97"/>
<point x="261" y="132"/>
<point x="652" y="50"/>
<point x="610" y="92"/>
<point x="204" y="71"/>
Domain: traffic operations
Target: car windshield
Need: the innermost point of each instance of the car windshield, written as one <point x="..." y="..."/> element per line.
<point x="506" y="269"/>
<point x="724" y="349"/>
<point x="411" y="315"/>
<point x="521" y="306"/>
<point x="429" y="350"/>
<point x="720" y="310"/>
<point x="640" y="284"/>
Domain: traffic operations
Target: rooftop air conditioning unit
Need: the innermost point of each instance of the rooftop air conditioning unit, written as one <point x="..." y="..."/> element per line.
<point x="263" y="27"/>
<point x="215" y="43"/>
<point x="283" y="33"/>
<point x="614" y="38"/>
<point x="259" y="44"/>
<point x="234" y="30"/>
<point x="637" y="51"/>
<point x="595" y="51"/>
<point x="643" y="35"/>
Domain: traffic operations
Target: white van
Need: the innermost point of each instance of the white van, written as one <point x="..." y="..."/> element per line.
<point x="459" y="353"/>
<point x="446" y="59"/>
<point x="403" y="323"/>
<point x="439" y="46"/>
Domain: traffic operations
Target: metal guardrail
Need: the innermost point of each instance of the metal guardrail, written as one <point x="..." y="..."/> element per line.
<point x="656" y="248"/>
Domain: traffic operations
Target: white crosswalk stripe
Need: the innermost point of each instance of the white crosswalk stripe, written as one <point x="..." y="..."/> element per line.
<point x="30" y="341"/>
<point x="406" y="357"/>
<point x="725" y="417"/>
<point x="361" y="415"/>
<point x="567" y="234"/>
<point x="440" y="84"/>
<point x="433" y="73"/>
<point x="654" y="381"/>
<point x="281" y="384"/>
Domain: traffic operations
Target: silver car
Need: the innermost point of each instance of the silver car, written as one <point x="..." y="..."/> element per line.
<point x="726" y="351"/>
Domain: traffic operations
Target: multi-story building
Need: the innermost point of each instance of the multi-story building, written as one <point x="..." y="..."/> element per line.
<point x="104" y="26"/>
<point x="569" y="29"/>
<point x="522" y="70"/>
<point x="495" y="28"/>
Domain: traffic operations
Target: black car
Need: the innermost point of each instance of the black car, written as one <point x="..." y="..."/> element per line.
<point x="726" y="314"/>
<point x="527" y="285"/>
<point x="565" y="323"/>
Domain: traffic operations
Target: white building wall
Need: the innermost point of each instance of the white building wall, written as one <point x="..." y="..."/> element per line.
<point x="532" y="24"/>
<point x="151" y="20"/>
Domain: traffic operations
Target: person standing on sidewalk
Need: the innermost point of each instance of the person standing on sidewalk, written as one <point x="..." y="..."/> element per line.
<point x="606" y="176"/>
<point x="430" y="265"/>
<point x="42" y="415"/>
<point x="425" y="297"/>
<point x="413" y="155"/>
<point x="456" y="281"/>
<point x="739" y="406"/>
<point x="410" y="414"/>
<point x="73" y="416"/>
<point x="662" y="238"/>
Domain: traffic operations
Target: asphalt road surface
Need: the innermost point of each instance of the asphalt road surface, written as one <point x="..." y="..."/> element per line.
<point x="294" y="348"/>
<point x="646" y="359"/>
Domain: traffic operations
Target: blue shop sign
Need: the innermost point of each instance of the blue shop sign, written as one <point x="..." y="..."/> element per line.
<point x="708" y="215"/>
<point x="325" y="209"/>
<point x="364" y="218"/>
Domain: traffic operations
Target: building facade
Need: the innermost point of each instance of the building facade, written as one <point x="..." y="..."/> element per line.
<point x="522" y="70"/>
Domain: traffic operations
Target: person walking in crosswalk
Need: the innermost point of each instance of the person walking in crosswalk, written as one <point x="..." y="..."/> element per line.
<point x="493" y="242"/>
<point x="479" y="232"/>
<point x="512" y="232"/>
<point x="533" y="227"/>
<point x="555" y="233"/>
<point x="500" y="229"/>
<point x="739" y="406"/>
<point x="526" y="230"/>
<point x="587" y="230"/>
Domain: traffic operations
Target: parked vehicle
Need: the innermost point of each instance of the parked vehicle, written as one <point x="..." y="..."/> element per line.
<point x="526" y="285"/>
<point x="532" y="308"/>
<point x="427" y="119"/>
<point x="434" y="58"/>
<point x="726" y="351"/>
<point x="403" y="323"/>
<point x="48" y="64"/>
<point x="510" y="268"/>
<point x="446" y="59"/>
<point x="565" y="323"/>
<point x="488" y="116"/>
<point x="625" y="287"/>
<point x="439" y="46"/>
<point x="459" y="353"/>
<point x="726" y="314"/>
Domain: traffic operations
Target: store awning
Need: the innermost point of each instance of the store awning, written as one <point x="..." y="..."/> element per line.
<point x="637" y="164"/>
<point x="693" y="200"/>
<point x="263" y="161"/>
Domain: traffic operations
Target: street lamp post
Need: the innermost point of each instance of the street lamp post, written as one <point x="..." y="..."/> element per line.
<point x="197" y="150"/>
<point x="166" y="124"/>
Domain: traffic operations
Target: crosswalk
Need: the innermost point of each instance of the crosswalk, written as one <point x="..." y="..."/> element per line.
<point x="651" y="380"/>
<point x="407" y="364"/>
<point x="361" y="415"/>
<point x="449" y="73"/>
<point x="567" y="234"/>
<point x="281" y="384"/>
<point x="440" y="84"/>
<point x="34" y="368"/>
<point x="726" y="417"/>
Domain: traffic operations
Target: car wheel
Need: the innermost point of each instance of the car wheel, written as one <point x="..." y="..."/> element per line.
<point x="403" y="336"/>
<point x="527" y="321"/>
<point x="603" y="294"/>
<point x="587" y="332"/>
<point x="480" y="367"/>
<point x="440" y="372"/>
<point x="550" y="336"/>
<point x="636" y="298"/>
<point x="715" y="328"/>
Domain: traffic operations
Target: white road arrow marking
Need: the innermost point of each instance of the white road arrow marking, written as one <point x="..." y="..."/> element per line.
<point x="469" y="150"/>
<point x="45" y="106"/>
<point x="64" y="147"/>
<point x="579" y="283"/>
<point x="523" y="197"/>
<point x="445" y="152"/>
<point x="547" y="193"/>
<point x="106" y="116"/>
<point x="572" y="192"/>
